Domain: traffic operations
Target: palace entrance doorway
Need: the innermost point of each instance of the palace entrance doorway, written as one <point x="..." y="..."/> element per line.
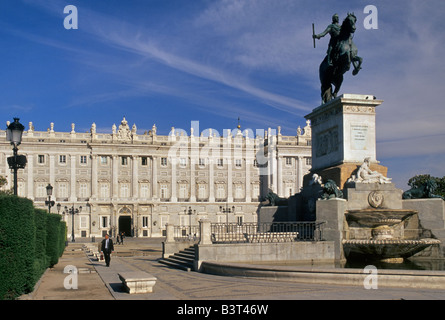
<point x="125" y="225"/>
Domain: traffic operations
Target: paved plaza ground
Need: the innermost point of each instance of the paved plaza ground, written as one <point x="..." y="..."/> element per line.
<point x="98" y="282"/>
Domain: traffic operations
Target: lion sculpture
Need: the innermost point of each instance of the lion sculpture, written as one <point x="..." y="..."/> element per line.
<point x="426" y="190"/>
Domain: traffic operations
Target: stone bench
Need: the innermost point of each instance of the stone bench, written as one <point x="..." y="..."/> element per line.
<point x="137" y="281"/>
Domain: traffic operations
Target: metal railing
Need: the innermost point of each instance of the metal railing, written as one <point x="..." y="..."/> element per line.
<point x="187" y="233"/>
<point x="266" y="232"/>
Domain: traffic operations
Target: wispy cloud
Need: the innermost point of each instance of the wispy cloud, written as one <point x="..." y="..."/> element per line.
<point x="253" y="59"/>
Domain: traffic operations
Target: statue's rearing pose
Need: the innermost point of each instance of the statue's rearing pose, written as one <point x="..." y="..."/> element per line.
<point x="340" y="54"/>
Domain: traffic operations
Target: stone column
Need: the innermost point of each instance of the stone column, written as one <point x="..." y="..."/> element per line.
<point x="211" y="181"/>
<point x="52" y="169"/>
<point x="170" y="230"/>
<point x="192" y="178"/>
<point x="135" y="174"/>
<point x="30" y="164"/>
<point x="115" y="181"/>
<point x="248" y="191"/>
<point x="154" y="178"/>
<point x="280" y="176"/>
<point x="73" y="196"/>
<point x="173" y="196"/>
<point x="94" y="174"/>
<point x="206" y="232"/>
<point x="9" y="178"/>
<point x="229" y="181"/>
<point x="299" y="170"/>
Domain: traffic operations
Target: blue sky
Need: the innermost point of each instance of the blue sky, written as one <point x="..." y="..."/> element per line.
<point x="170" y="62"/>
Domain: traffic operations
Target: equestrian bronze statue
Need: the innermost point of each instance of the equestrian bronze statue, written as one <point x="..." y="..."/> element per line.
<point x="341" y="53"/>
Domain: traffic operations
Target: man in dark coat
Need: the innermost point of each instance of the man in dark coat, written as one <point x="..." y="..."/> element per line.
<point x="107" y="248"/>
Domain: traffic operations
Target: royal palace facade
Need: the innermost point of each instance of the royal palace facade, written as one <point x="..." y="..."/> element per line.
<point x="137" y="183"/>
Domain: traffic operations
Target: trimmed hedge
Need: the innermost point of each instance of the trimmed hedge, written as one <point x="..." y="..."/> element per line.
<point x="31" y="240"/>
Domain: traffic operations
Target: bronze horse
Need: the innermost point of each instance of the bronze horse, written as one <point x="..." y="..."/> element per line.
<point x="344" y="52"/>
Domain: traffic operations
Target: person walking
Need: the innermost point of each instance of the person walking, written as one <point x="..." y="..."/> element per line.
<point x="122" y="237"/>
<point x="107" y="248"/>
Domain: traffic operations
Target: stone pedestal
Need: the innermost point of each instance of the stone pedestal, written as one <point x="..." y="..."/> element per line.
<point x="362" y="196"/>
<point x="343" y="135"/>
<point x="341" y="173"/>
<point x="332" y="211"/>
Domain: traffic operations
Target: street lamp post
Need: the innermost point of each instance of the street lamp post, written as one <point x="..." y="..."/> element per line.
<point x="190" y="212"/>
<point x="49" y="193"/>
<point x="72" y="211"/>
<point x="227" y="210"/>
<point x="14" y="136"/>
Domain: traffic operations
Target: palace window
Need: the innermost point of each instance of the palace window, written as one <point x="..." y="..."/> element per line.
<point x="41" y="158"/>
<point x="41" y="190"/>
<point x="183" y="191"/>
<point x="62" y="190"/>
<point x="144" y="191"/>
<point x="124" y="190"/>
<point x="164" y="162"/>
<point x="239" y="193"/>
<point x="104" y="222"/>
<point x="164" y="191"/>
<point x="144" y="161"/>
<point x="83" y="222"/>
<point x="124" y="161"/>
<point x="103" y="160"/>
<point x="83" y="190"/>
<point x="256" y="191"/>
<point x="62" y="159"/>
<point x="220" y="191"/>
<point x="104" y="190"/>
<point x="202" y="192"/>
<point x="145" y="222"/>
<point x="288" y="161"/>
<point x="83" y="159"/>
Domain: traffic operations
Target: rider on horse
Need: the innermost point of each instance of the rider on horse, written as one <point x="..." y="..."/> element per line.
<point x="334" y="31"/>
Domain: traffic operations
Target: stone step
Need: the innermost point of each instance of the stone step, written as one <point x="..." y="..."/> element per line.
<point x="185" y="255"/>
<point x="174" y="264"/>
<point x="181" y="260"/>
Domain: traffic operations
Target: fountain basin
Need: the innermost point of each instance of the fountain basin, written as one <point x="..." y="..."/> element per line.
<point x="372" y="218"/>
<point x="384" y="249"/>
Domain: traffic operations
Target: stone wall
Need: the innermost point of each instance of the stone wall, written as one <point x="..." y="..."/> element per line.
<point x="431" y="214"/>
<point x="319" y="251"/>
